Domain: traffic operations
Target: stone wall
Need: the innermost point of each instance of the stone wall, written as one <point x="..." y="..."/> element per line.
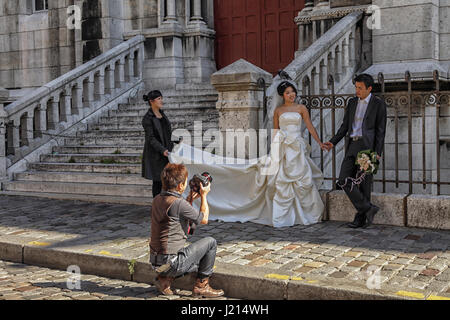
<point x="35" y="47"/>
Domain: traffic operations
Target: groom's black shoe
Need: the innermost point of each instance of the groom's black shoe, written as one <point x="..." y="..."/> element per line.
<point x="370" y="215"/>
<point x="359" y="221"/>
<point x="355" y="224"/>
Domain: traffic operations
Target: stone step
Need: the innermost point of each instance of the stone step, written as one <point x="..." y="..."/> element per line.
<point x="92" y="158"/>
<point x="79" y="188"/>
<point x="83" y="177"/>
<point x="87" y="167"/>
<point x="122" y="125"/>
<point x="139" y="201"/>
<point x="111" y="134"/>
<point x="104" y="141"/>
<point x="173" y="119"/>
<point x="111" y="149"/>
<point x="201" y="105"/>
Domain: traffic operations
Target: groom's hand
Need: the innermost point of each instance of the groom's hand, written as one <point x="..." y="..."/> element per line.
<point x="328" y="145"/>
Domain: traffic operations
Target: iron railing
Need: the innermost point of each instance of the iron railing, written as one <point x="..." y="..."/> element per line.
<point x="413" y="128"/>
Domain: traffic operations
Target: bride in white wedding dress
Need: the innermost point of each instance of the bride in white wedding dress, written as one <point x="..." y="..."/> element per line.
<point x="284" y="195"/>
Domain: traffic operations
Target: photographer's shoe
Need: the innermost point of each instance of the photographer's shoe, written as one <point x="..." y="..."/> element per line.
<point x="163" y="285"/>
<point x="203" y="289"/>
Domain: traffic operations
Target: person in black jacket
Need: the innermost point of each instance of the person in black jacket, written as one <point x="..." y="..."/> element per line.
<point x="364" y="127"/>
<point x="158" y="144"/>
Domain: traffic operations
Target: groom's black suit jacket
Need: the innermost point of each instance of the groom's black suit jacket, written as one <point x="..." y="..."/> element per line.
<point x="374" y="124"/>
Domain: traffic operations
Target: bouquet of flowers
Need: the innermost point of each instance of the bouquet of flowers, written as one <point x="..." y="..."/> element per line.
<point x="368" y="164"/>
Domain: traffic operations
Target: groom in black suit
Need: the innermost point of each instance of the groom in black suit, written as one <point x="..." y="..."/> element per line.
<point x="364" y="126"/>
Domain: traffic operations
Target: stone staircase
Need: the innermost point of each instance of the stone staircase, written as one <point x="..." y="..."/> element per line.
<point x="103" y="163"/>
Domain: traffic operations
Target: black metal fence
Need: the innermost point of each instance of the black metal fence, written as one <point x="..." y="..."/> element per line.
<point x="414" y="136"/>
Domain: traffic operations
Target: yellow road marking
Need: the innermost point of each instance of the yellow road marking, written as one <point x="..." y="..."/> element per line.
<point x="431" y="297"/>
<point x="416" y="295"/>
<point x="297" y="278"/>
<point x="107" y="253"/>
<point x="277" y="276"/>
<point x="313" y="281"/>
<point x="89" y="250"/>
<point x="37" y="243"/>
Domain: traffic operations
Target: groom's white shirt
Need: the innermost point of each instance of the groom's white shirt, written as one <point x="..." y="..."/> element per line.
<point x="359" y="116"/>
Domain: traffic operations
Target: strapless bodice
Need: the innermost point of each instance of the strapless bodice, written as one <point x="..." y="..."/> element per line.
<point x="290" y="122"/>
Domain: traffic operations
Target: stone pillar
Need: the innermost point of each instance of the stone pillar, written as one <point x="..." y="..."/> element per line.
<point x="171" y="15"/>
<point x="78" y="99"/>
<point x="309" y="5"/>
<point x="110" y="79"/>
<point x="99" y="85"/>
<point x="54" y="116"/>
<point x="42" y="119"/>
<point x="66" y="107"/>
<point x="323" y="5"/>
<point x="197" y="12"/>
<point x="120" y="78"/>
<point x="28" y="135"/>
<point x="240" y="106"/>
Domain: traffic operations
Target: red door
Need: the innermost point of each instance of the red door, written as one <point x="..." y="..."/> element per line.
<point x="262" y="32"/>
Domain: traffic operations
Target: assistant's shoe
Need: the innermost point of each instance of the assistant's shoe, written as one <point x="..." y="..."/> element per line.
<point x="203" y="289"/>
<point x="370" y="215"/>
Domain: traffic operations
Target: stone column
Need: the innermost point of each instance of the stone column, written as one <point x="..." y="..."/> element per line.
<point x="54" y="116"/>
<point x="120" y="78"/>
<point x="66" y="107"/>
<point x="78" y="99"/>
<point x="42" y="119"/>
<point x="27" y="130"/>
<point x="171" y="15"/>
<point x="240" y="106"/>
<point x="110" y="79"/>
<point x="197" y="12"/>
<point x="99" y="85"/>
<point x="309" y="5"/>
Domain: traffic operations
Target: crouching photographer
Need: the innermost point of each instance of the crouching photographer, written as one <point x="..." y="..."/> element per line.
<point x="171" y="217"/>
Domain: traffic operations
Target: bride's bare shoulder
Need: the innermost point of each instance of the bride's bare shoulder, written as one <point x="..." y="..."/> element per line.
<point x="302" y="108"/>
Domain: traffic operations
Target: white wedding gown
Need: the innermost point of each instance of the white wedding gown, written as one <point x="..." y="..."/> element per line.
<point x="279" y="189"/>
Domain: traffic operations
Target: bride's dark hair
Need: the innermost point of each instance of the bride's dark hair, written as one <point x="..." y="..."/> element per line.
<point x="152" y="95"/>
<point x="283" y="86"/>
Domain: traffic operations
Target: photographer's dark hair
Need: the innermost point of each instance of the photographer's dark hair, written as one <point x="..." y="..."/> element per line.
<point x="366" y="79"/>
<point x="283" y="86"/>
<point x="152" y="95"/>
<point x="172" y="175"/>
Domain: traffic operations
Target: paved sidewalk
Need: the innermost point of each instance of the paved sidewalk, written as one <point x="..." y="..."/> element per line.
<point x="23" y="282"/>
<point x="322" y="261"/>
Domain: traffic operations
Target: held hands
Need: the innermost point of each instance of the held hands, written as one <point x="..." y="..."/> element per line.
<point x="166" y="153"/>
<point x="327" y="146"/>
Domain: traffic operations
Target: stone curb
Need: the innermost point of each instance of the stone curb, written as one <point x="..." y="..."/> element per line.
<point x="238" y="282"/>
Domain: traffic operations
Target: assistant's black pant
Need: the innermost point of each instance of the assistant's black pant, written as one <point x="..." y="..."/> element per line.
<point x="359" y="195"/>
<point x="156" y="188"/>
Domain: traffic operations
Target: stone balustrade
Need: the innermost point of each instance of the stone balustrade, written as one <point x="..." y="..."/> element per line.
<point x="33" y="120"/>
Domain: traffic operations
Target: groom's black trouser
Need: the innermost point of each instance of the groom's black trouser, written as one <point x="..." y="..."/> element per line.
<point x="359" y="195"/>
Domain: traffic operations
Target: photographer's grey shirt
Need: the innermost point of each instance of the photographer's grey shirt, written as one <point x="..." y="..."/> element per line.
<point x="170" y="222"/>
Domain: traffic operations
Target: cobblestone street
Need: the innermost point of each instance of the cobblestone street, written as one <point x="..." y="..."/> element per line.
<point x="410" y="262"/>
<point x="23" y="282"/>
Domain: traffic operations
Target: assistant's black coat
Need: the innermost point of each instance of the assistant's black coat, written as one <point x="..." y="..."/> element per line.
<point x="157" y="140"/>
